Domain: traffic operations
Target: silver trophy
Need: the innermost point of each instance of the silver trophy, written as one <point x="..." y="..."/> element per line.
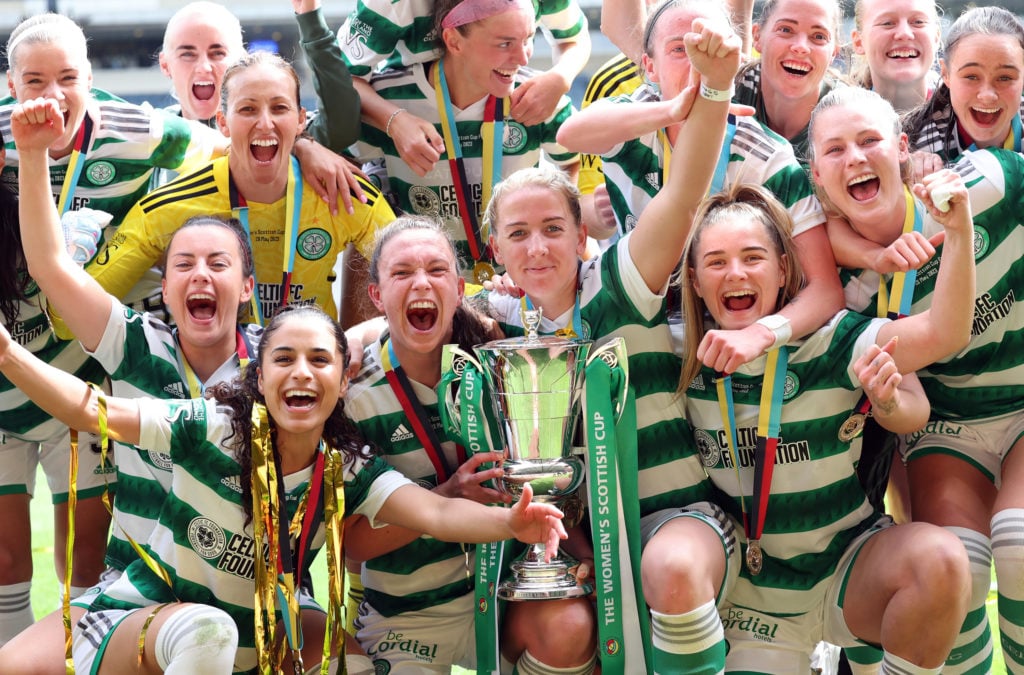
<point x="535" y="385"/>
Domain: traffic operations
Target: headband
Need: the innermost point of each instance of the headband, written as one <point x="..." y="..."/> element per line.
<point x="471" y="11"/>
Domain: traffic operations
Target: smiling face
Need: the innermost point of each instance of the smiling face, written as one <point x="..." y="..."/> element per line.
<point x="984" y="76"/>
<point x="797" y="43"/>
<point x="418" y="289"/>
<point x="856" y="160"/>
<point x="301" y="376"/>
<point x="57" y="70"/>
<point x="204" y="283"/>
<point x="487" y="54"/>
<point x="898" y="38"/>
<point x="737" y="271"/>
<point x="196" y="52"/>
<point x="263" y="118"/>
<point x="539" y="242"/>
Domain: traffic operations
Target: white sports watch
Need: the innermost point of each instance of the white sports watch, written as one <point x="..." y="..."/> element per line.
<point x="779" y="326"/>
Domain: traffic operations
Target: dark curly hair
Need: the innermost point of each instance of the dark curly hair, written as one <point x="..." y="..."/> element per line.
<point x="239" y="394"/>
<point x="13" y="269"/>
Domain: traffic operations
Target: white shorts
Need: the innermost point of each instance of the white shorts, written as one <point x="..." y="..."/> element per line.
<point x="19" y="460"/>
<point x="92" y="632"/>
<point x="107" y="577"/>
<point x="983" y="444"/>
<point x="760" y="642"/>
<point x="716" y="519"/>
<point x="431" y="640"/>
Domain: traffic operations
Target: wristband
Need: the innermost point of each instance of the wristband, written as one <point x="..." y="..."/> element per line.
<point x="387" y="127"/>
<point x="716" y="94"/>
<point x="780" y="328"/>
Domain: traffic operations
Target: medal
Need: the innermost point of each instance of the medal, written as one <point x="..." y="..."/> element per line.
<point x="482" y="271"/>
<point x="755" y="559"/>
<point x="852" y="427"/>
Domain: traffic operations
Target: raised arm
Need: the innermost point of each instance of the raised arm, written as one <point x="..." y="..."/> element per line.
<point x="657" y="242"/>
<point x="336" y="125"/>
<point x="622" y="22"/>
<point x="64" y="396"/>
<point x="76" y="296"/>
<point x="945" y="327"/>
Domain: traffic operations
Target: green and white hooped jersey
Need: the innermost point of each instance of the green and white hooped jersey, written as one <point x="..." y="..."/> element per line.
<point x="615" y="302"/>
<point x="19" y="417"/>
<point x="128" y="143"/>
<point x="427" y="572"/>
<point x="435" y="194"/>
<point x="633" y="170"/>
<point x="142" y="356"/>
<point x="817" y="505"/>
<point x="201" y="538"/>
<point x="380" y="35"/>
<point x="986" y="378"/>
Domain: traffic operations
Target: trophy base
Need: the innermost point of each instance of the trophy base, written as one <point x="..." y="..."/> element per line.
<point x="534" y="579"/>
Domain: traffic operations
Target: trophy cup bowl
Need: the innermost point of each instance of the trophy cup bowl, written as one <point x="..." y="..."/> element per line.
<point x="535" y="385"/>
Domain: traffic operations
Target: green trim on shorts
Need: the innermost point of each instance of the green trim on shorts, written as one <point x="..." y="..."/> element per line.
<point x="102" y="649"/>
<point x="939" y="450"/>
<point x="1003" y="460"/>
<point x="19" y="489"/>
<point x="62" y="497"/>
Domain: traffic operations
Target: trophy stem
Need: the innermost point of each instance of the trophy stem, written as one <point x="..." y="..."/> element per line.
<point x="534" y="579"/>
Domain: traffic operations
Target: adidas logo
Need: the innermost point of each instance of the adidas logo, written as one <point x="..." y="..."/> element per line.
<point x="175" y="389"/>
<point x="232" y="483"/>
<point x="402" y="433"/>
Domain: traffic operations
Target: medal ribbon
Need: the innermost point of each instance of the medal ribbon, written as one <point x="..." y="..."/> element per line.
<point x="718" y="180"/>
<point x="304" y="522"/>
<point x="293" y="222"/>
<point x="574" y="328"/>
<point x="416" y="414"/>
<point x="196" y="388"/>
<point x="470" y="429"/>
<point x="898" y="304"/>
<point x="76" y="162"/>
<point x="769" y="424"/>
<point x="456" y="163"/>
<point x="615" y="518"/>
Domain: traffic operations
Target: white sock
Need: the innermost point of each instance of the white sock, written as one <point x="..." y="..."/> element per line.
<point x="1008" y="553"/>
<point x="15" y="610"/>
<point x="973" y="646"/>
<point x="894" y="665"/>
<point x="197" y="640"/>
<point x="529" y="665"/>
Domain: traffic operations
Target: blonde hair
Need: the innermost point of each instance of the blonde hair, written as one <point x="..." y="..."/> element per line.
<point x="545" y="177"/>
<point x="46" y="29"/>
<point x="742" y="201"/>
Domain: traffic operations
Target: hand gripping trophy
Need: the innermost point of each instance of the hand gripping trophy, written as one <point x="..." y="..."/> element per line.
<point x="534" y="384"/>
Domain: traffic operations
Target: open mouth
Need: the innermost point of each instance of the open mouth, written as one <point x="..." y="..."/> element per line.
<point x="422" y="315"/>
<point x="739" y="301"/>
<point x="505" y="75"/>
<point x="863" y="187"/>
<point x="264" y="149"/>
<point x="901" y="53"/>
<point x="299" y="399"/>
<point x="796" y="67"/>
<point x="985" y="116"/>
<point x="201" y="306"/>
<point x="203" y="91"/>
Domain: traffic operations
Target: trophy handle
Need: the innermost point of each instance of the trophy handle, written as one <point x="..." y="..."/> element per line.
<point x="454" y="361"/>
<point x="614" y="354"/>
